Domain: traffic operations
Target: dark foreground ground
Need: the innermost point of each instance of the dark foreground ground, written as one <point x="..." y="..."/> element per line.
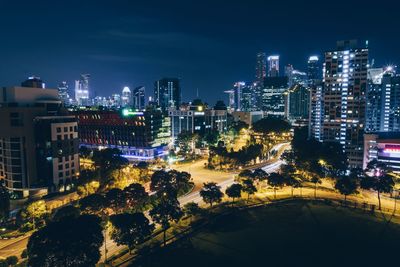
<point x="298" y="233"/>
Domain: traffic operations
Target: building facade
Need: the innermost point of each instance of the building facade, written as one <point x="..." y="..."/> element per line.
<point x="140" y="135"/>
<point x="82" y="90"/>
<point x="38" y="142"/>
<point x="139" y="98"/>
<point x="273" y="66"/>
<point x="345" y="85"/>
<point x="384" y="147"/>
<point x="272" y="97"/>
<point x="297" y="103"/>
<point x="167" y="93"/>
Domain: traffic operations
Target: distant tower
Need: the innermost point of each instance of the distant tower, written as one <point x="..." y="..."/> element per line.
<point x="261" y="67"/>
<point x="82" y="90"/>
<point x="63" y="92"/>
<point x="313" y="70"/>
<point x="167" y="93"/>
<point x="139" y="98"/>
<point x="273" y="66"/>
<point x="126" y="97"/>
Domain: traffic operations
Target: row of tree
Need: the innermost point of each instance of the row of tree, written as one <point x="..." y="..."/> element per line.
<point x="74" y="234"/>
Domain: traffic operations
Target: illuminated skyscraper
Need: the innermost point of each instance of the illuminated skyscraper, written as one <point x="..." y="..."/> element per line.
<point x="273" y="66"/>
<point x="167" y="93"/>
<point x="261" y="67"/>
<point x="313" y="70"/>
<point x="345" y="85"/>
<point x="126" y="97"/>
<point x="139" y="98"/>
<point x="82" y="90"/>
<point x="63" y="92"/>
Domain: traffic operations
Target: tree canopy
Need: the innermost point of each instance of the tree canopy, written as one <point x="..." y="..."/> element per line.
<point x="68" y="242"/>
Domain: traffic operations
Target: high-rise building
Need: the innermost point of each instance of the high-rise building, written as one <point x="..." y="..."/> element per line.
<point x="316" y="111"/>
<point x="82" y="90"/>
<point x="390" y="106"/>
<point x="38" y="142"/>
<point x="167" y="93"/>
<point x="126" y="97"/>
<point x="345" y="85"/>
<point x="273" y="66"/>
<point x="139" y="98"/>
<point x="374" y="100"/>
<point x="244" y="99"/>
<point x="261" y="67"/>
<point x="297" y="103"/>
<point x="63" y="92"/>
<point x="313" y="70"/>
<point x="273" y="99"/>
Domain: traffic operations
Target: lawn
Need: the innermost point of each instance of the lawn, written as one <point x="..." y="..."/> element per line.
<point x="297" y="233"/>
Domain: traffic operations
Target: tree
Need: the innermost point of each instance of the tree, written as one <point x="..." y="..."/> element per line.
<point x="346" y="185"/>
<point x="106" y="161"/>
<point x="84" y="152"/>
<point x="136" y="196"/>
<point x="36" y="211"/>
<point x="186" y="142"/>
<point x="271" y="124"/>
<point x="68" y="242"/>
<point x="260" y="175"/>
<point x="234" y="191"/>
<point x="12" y="260"/>
<point x="87" y="183"/>
<point x="93" y="204"/>
<point x="191" y="209"/>
<point x="275" y="180"/>
<point x="167" y="210"/>
<point x="116" y="200"/>
<point x="4" y="203"/>
<point x="130" y="229"/>
<point x="378" y="179"/>
<point x="315" y="180"/>
<point x="211" y="193"/>
<point x="66" y="211"/>
<point x="248" y="187"/>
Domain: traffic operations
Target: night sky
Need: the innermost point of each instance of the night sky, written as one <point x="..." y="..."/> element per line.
<point x="208" y="44"/>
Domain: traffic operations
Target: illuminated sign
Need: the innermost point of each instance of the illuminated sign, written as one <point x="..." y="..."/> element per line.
<point x="129" y="112"/>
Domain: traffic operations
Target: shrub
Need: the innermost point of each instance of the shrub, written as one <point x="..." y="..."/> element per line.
<point x="12" y="260"/>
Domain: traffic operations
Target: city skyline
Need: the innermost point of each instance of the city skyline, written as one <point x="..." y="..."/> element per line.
<point x="131" y="45"/>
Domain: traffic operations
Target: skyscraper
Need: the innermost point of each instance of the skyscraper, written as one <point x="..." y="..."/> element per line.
<point x="374" y="100"/>
<point x="63" y="92"/>
<point x="139" y="98"/>
<point x="167" y="93"/>
<point x="261" y="67"/>
<point x="316" y="109"/>
<point x="82" y="90"/>
<point x="313" y="70"/>
<point x="126" y="97"/>
<point x="345" y="85"/>
<point x="273" y="101"/>
<point x="297" y="103"/>
<point x="273" y="66"/>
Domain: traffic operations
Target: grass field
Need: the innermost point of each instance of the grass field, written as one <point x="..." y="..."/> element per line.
<point x="297" y="233"/>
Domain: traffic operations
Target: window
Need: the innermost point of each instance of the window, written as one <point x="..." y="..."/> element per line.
<point x="65" y="129"/>
<point x="60" y="174"/>
<point x="60" y="167"/>
<point x="58" y="129"/>
<point x="71" y="128"/>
